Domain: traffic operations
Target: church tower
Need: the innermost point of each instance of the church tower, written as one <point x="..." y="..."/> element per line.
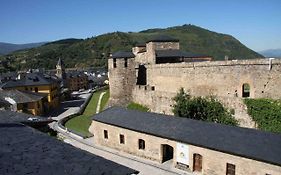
<point x="60" y="69"/>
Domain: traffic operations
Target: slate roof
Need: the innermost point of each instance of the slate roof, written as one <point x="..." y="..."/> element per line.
<point x="75" y="74"/>
<point x="162" y="38"/>
<point x="16" y="117"/>
<point x="21" y="96"/>
<point x="249" y="143"/>
<point x="25" y="150"/>
<point x="170" y="53"/>
<point x="30" y="79"/>
<point x="123" y="54"/>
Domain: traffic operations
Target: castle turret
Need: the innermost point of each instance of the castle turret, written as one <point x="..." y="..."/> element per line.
<point x="160" y="42"/>
<point x="60" y="69"/>
<point x="121" y="77"/>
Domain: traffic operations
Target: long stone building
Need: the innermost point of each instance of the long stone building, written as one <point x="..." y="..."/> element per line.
<point x="190" y="145"/>
<point x="153" y="73"/>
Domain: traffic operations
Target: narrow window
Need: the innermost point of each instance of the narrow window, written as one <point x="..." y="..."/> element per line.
<point x="122" y="139"/>
<point x="153" y="88"/>
<point x="36" y="89"/>
<point x="141" y="144"/>
<point x="26" y="88"/>
<point x="230" y="169"/>
<point x="114" y="62"/>
<point x="105" y="134"/>
<point x="246" y="90"/>
<point x="126" y="62"/>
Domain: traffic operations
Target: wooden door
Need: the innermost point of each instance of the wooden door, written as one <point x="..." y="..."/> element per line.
<point x="197" y="162"/>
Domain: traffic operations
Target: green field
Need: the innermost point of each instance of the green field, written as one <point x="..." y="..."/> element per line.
<point x="81" y="123"/>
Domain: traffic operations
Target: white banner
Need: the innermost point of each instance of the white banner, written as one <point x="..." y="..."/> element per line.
<point x="182" y="153"/>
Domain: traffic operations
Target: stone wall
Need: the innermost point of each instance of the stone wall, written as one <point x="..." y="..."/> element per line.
<point x="152" y="46"/>
<point x="219" y="78"/>
<point x="223" y="79"/>
<point x="214" y="162"/>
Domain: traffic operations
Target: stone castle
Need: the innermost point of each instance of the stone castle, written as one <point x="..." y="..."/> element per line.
<point x="153" y="73"/>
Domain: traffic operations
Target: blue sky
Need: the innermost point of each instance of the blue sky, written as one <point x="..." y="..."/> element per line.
<point x="256" y="23"/>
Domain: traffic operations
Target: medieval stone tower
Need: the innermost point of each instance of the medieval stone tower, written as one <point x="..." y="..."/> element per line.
<point x="122" y="77"/>
<point x="60" y="69"/>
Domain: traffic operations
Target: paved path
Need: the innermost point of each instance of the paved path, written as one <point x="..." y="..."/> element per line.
<point x="144" y="166"/>
<point x="99" y="102"/>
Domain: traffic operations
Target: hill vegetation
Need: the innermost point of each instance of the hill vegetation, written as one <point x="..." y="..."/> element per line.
<point x="95" y="51"/>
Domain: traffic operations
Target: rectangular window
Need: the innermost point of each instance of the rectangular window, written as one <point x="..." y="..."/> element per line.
<point x="141" y="144"/>
<point x="126" y="62"/>
<point x="230" y="169"/>
<point x="114" y="62"/>
<point x="122" y="139"/>
<point x="36" y="89"/>
<point x="105" y="134"/>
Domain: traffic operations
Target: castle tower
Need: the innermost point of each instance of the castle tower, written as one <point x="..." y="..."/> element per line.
<point x="60" y="69"/>
<point x="122" y="77"/>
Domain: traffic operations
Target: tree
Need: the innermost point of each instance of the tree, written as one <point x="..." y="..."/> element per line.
<point x="200" y="108"/>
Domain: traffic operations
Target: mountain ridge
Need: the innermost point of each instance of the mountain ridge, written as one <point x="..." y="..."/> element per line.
<point x="271" y="53"/>
<point x="94" y="51"/>
<point x="6" y="48"/>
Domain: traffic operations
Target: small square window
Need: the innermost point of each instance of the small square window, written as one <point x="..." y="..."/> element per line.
<point x="122" y="139"/>
<point x="105" y="134"/>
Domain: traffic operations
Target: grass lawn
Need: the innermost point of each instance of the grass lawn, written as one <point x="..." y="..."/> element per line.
<point x="81" y="123"/>
<point x="138" y="107"/>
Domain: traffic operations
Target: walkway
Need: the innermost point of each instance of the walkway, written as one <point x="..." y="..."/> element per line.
<point x="99" y="102"/>
<point x="144" y="166"/>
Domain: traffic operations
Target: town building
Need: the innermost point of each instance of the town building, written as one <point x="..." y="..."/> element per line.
<point x="152" y="75"/>
<point x="72" y="80"/>
<point x="25" y="150"/>
<point x="24" y="101"/>
<point x="190" y="145"/>
<point x="37" y="83"/>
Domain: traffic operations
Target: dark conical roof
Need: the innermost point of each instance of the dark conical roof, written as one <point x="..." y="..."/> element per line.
<point x="162" y="38"/>
<point x="60" y="62"/>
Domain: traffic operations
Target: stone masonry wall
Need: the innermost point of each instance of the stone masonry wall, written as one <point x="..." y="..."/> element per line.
<point x="122" y="80"/>
<point x="214" y="162"/>
<point x="223" y="79"/>
<point x="152" y="46"/>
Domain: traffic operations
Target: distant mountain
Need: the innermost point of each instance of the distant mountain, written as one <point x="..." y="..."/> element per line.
<point x="6" y="48"/>
<point x="95" y="51"/>
<point x="271" y="53"/>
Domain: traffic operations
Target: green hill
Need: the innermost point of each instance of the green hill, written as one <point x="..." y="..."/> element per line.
<point x="94" y="51"/>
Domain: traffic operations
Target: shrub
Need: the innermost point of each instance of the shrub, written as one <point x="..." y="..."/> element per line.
<point x="199" y="108"/>
<point x="266" y="113"/>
